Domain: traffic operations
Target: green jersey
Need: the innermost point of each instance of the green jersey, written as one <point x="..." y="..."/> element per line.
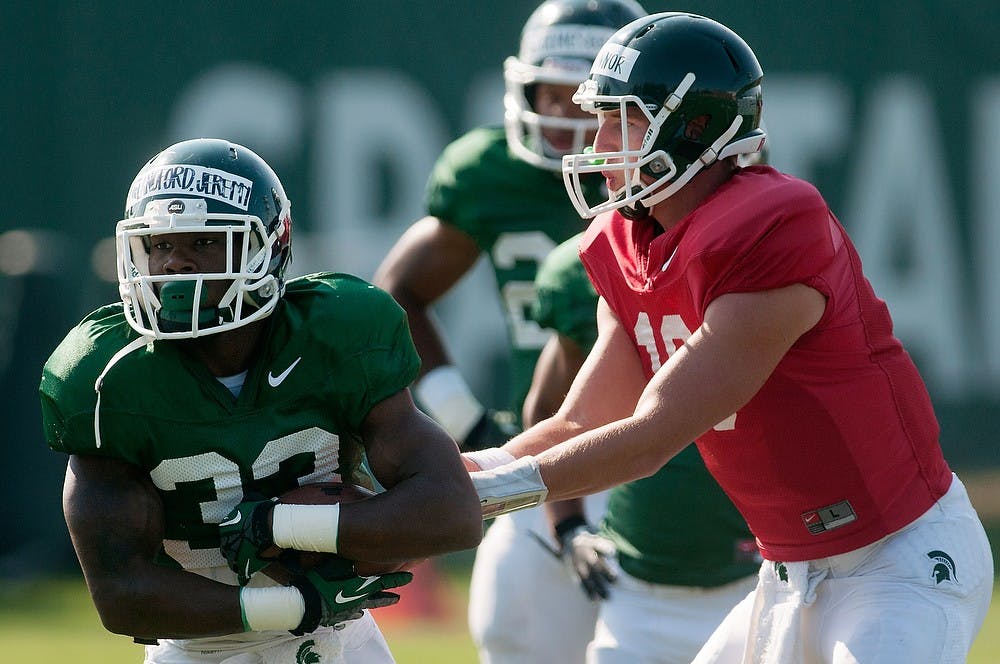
<point x="565" y="300"/>
<point x="676" y="527"/>
<point x="335" y="346"/>
<point x="517" y="214"/>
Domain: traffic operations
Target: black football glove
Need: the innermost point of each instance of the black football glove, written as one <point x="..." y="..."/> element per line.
<point x="585" y="554"/>
<point x="244" y="535"/>
<point x="493" y="429"/>
<point x="334" y="594"/>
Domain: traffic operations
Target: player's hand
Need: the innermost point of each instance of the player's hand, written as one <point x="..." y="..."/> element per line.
<point x="586" y="554"/>
<point x="246" y="539"/>
<point x="334" y="594"/>
<point x="493" y="429"/>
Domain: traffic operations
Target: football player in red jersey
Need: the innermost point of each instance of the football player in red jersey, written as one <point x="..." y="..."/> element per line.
<point x="734" y="312"/>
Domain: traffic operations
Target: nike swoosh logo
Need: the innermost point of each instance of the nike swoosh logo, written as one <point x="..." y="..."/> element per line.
<point x="233" y="521"/>
<point x="667" y="264"/>
<point x="341" y="598"/>
<point x="275" y="381"/>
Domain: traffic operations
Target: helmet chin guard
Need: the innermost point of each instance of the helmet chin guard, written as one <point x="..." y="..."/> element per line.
<point x="204" y="186"/>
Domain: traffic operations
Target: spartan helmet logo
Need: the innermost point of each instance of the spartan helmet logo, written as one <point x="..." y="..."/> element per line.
<point x="944" y="567"/>
<point x="305" y="654"/>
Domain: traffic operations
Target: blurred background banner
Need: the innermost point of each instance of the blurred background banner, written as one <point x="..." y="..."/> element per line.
<point x="891" y="109"/>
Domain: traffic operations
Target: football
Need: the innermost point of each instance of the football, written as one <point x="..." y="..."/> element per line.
<point x="324" y="493"/>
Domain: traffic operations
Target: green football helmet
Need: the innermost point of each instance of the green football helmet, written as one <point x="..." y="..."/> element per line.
<point x="198" y="186"/>
<point x="559" y="42"/>
<point x="698" y="84"/>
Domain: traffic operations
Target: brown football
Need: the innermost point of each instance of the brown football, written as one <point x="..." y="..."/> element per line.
<point x="327" y="493"/>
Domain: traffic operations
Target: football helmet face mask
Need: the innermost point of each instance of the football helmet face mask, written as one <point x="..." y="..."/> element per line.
<point x="558" y="44"/>
<point x="204" y="186"/>
<point x="696" y="82"/>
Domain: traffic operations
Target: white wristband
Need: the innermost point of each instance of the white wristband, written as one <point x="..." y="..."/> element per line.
<point x="447" y="398"/>
<point x="489" y="458"/>
<point x="306" y="527"/>
<point x="512" y="486"/>
<point x="271" y="608"/>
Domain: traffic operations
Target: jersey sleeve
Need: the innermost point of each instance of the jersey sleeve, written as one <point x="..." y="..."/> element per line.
<point x="390" y="361"/>
<point x="459" y="188"/>
<point x="791" y="241"/>
<point x="370" y="352"/>
<point x="67" y="394"/>
<point x="565" y="300"/>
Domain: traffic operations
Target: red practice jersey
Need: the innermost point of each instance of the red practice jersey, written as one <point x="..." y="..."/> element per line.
<point x="840" y="446"/>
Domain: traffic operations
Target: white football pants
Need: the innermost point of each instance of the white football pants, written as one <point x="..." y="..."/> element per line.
<point x="918" y="595"/>
<point x="647" y="623"/>
<point x="524" y="605"/>
<point x="360" y="642"/>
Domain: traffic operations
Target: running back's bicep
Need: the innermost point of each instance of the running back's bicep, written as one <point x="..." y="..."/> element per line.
<point x="113" y="514"/>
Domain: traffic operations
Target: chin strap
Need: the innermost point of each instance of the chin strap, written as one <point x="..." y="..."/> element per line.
<point x="132" y="345"/>
<point x="709" y="156"/>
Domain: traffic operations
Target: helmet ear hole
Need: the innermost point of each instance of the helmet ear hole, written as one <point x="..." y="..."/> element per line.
<point x="658" y="165"/>
<point x="695" y="127"/>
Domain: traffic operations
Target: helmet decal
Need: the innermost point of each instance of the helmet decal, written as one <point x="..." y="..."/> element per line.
<point x="188" y="179"/>
<point x="543" y="44"/>
<point x="616" y="61"/>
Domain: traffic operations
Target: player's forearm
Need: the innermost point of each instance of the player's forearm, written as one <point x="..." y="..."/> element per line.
<point x="426" y="336"/>
<point x="542" y="436"/>
<point x="166" y="603"/>
<point x="610" y="455"/>
<point x="418" y="518"/>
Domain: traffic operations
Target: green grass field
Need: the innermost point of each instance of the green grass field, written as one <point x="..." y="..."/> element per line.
<point x="54" y="621"/>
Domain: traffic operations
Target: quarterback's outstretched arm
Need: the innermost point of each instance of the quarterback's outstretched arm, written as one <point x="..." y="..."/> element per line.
<point x="605" y="389"/>
<point x="558" y="364"/>
<point x="720" y="367"/>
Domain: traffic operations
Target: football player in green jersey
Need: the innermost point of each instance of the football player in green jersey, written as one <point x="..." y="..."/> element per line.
<point x="213" y="388"/>
<point x="496" y="191"/>
<point x="685" y="556"/>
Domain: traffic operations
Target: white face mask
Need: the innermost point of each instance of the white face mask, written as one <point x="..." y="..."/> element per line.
<point x="524" y="126"/>
<point x="251" y="294"/>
